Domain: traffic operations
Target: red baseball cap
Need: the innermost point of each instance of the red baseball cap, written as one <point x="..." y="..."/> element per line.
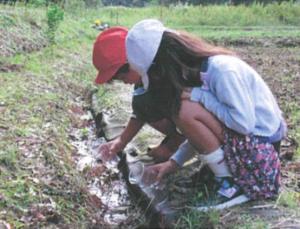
<point x="109" y="53"/>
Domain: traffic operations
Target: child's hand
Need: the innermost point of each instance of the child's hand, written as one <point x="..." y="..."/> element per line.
<point x="186" y="93"/>
<point x="108" y="151"/>
<point x="159" y="171"/>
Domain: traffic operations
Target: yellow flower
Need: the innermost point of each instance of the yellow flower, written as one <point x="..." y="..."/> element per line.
<point x="97" y="22"/>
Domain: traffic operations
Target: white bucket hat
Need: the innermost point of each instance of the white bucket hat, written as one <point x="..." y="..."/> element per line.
<point x="142" y="43"/>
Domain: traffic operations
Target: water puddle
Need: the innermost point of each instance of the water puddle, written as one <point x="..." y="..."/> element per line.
<point x="117" y="187"/>
<point x="105" y="182"/>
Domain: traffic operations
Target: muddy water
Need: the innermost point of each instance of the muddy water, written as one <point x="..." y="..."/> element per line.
<point x="118" y="204"/>
<point x="134" y="204"/>
<point x="106" y="182"/>
<point x="119" y="201"/>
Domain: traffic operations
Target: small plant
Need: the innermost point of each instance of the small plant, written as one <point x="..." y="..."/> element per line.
<point x="195" y="219"/>
<point x="84" y="133"/>
<point x="9" y="158"/>
<point x="250" y="222"/>
<point x="54" y="16"/>
<point x="289" y="199"/>
<point x="37" y="3"/>
<point x="7" y="21"/>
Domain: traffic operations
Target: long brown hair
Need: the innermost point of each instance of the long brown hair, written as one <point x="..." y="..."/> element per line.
<point x="177" y="65"/>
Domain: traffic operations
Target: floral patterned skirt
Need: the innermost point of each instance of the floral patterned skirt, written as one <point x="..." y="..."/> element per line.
<point x="254" y="164"/>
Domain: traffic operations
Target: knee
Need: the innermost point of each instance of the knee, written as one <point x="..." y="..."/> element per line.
<point x="183" y="116"/>
<point x="190" y="111"/>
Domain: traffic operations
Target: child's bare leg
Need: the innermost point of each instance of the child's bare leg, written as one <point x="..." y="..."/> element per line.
<point x="170" y="144"/>
<point x="202" y="129"/>
<point x="204" y="132"/>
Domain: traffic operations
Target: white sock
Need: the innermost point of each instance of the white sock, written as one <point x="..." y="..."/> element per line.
<point x="216" y="162"/>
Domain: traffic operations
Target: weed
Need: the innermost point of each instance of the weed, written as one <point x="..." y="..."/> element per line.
<point x="38" y="3"/>
<point x="198" y="197"/>
<point x="195" y="219"/>
<point x="21" y="132"/>
<point x="297" y="153"/>
<point x="18" y="193"/>
<point x="249" y="222"/>
<point x="84" y="133"/>
<point x="8" y="157"/>
<point x="289" y="199"/>
<point x="54" y="16"/>
<point x="293" y="109"/>
<point x="7" y="21"/>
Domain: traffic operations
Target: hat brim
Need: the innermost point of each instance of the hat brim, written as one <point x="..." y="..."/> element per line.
<point x="107" y="74"/>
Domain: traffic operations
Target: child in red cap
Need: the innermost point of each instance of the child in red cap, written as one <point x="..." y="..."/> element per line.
<point x="109" y="58"/>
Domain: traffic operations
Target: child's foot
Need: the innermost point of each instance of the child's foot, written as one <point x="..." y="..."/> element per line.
<point x="227" y="194"/>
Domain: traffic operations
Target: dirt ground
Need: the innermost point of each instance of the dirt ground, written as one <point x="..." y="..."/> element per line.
<point x="278" y="62"/>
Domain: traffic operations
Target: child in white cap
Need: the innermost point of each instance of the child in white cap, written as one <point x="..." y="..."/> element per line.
<point x="197" y="77"/>
<point x="109" y="58"/>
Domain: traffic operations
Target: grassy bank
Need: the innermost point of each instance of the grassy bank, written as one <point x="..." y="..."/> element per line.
<point x="39" y="182"/>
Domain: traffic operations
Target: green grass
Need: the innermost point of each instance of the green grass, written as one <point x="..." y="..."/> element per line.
<point x="37" y="95"/>
<point x="8" y="158"/>
<point x="248" y="222"/>
<point x="274" y="20"/>
<point x="293" y="109"/>
<point x="194" y="219"/>
<point x="255" y="15"/>
<point x="289" y="199"/>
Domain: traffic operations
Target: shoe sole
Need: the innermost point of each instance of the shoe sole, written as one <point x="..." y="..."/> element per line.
<point x="235" y="201"/>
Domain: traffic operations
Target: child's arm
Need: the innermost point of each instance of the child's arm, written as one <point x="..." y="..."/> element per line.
<point x="110" y="149"/>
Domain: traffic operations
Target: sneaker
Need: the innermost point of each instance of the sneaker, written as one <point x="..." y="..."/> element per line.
<point x="227" y="194"/>
<point x="227" y="188"/>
